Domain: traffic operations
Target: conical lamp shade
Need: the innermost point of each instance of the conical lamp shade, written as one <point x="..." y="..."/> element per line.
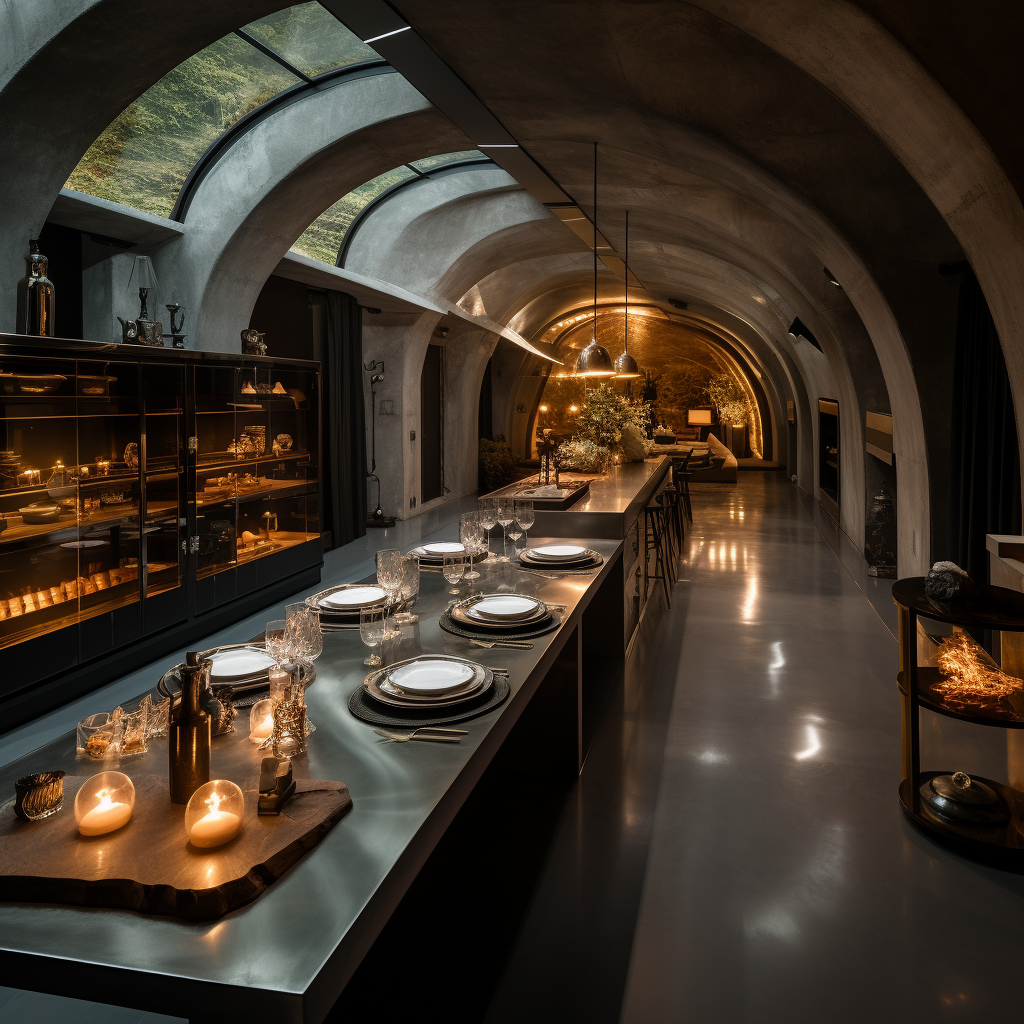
<point x="625" y="367"/>
<point x="595" y="361"/>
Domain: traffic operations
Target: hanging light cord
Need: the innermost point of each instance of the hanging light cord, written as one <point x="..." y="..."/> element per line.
<point x="595" y="243"/>
<point x="625" y="333"/>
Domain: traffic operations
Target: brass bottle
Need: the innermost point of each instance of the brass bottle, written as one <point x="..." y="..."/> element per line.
<point x="36" y="296"/>
<point x="188" y="739"/>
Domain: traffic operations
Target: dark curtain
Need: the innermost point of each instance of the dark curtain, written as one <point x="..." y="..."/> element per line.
<point x="985" y="478"/>
<point x="486" y="414"/>
<point x="344" y="450"/>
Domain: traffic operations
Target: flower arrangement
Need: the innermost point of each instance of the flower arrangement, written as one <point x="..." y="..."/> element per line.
<point x="604" y="412"/>
<point x="581" y="455"/>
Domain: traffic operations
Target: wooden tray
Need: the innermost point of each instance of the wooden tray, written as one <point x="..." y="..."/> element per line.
<point x="555" y="504"/>
<point x="149" y="865"/>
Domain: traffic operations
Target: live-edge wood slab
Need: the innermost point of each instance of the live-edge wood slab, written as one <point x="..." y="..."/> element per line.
<point x="149" y="866"/>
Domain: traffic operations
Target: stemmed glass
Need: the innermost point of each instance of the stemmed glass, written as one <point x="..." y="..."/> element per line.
<point x="371" y="631"/>
<point x="471" y="538"/>
<point x="410" y="588"/>
<point x="524" y="516"/>
<point x="277" y="640"/>
<point x="454" y="567"/>
<point x="504" y="515"/>
<point x="488" y="515"/>
<point x="389" y="578"/>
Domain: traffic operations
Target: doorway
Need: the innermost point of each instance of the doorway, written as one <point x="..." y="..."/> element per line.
<point x="432" y="424"/>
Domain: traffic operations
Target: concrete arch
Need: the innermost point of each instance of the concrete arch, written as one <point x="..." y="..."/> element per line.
<point x="277" y="178"/>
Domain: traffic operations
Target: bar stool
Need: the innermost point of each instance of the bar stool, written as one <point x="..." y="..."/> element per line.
<point x="704" y="462"/>
<point x="669" y="501"/>
<point x="655" y="529"/>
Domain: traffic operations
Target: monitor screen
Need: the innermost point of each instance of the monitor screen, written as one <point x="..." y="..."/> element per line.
<point x="698" y="417"/>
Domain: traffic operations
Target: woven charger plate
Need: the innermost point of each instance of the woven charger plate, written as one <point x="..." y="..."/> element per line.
<point x="449" y="625"/>
<point x="365" y="708"/>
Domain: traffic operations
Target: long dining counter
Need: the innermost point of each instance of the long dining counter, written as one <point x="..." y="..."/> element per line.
<point x="287" y="956"/>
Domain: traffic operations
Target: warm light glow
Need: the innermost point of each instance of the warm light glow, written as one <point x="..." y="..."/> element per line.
<point x="217" y="825"/>
<point x="971" y="677"/>
<point x="813" y="744"/>
<point x="750" y="605"/>
<point x="543" y="408"/>
<point x="574" y="408"/>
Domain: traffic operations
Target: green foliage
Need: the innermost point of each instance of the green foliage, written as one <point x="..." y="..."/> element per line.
<point x="582" y="455"/>
<point x="498" y="467"/>
<point x="603" y="414"/>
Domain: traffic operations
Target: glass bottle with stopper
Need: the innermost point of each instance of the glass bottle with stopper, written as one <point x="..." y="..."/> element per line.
<point x="188" y="737"/>
<point x="36" y="296"/>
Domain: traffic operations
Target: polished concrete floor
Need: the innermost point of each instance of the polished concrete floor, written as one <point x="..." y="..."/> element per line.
<point x="733" y="850"/>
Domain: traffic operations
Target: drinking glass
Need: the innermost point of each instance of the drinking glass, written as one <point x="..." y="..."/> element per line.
<point x="371" y="631"/>
<point x="471" y="537"/>
<point x="504" y="514"/>
<point x="410" y="588"/>
<point x="524" y="516"/>
<point x="389" y="578"/>
<point x="454" y="567"/>
<point x="488" y="515"/>
<point x="278" y="642"/>
<point x="302" y="624"/>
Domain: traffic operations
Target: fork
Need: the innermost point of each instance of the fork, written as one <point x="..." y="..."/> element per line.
<point x="515" y="645"/>
<point x="438" y="735"/>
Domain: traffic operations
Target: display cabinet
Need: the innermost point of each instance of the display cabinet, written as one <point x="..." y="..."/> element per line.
<point x="945" y="670"/>
<point x="145" y="495"/>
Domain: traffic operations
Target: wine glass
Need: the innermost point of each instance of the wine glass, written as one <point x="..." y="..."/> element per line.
<point x="504" y="514"/>
<point x="454" y="567"/>
<point x="488" y="514"/>
<point x="277" y="640"/>
<point x="389" y="578"/>
<point x="524" y="516"/>
<point x="410" y="588"/>
<point x="371" y="631"/>
<point x="471" y="537"/>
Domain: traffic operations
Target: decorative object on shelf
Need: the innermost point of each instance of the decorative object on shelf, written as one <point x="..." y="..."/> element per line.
<point x="261" y="720"/>
<point x="283" y="443"/>
<point x="947" y="583"/>
<point x="279" y="389"/>
<point x="36" y="296"/>
<point x="971" y="679"/>
<point x="288" y="739"/>
<point x="147" y="332"/>
<point x="177" y="338"/>
<point x="189" y="734"/>
<point x="963" y="799"/>
<point x="214" y="814"/>
<point x="248" y="388"/>
<point x="38" y="796"/>
<point x="253" y="343"/>
<point x="131" y="455"/>
<point x="29" y="478"/>
<point x="104" y="803"/>
<point x="269" y="525"/>
<point x="102" y="465"/>
<point x="112" y="498"/>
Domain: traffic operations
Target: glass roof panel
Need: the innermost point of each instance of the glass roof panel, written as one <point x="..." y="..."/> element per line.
<point x="431" y="163"/>
<point x="310" y="39"/>
<point x="143" y="158"/>
<point x="322" y="239"/>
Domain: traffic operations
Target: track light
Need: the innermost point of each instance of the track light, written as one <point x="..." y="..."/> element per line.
<point x="831" y="277"/>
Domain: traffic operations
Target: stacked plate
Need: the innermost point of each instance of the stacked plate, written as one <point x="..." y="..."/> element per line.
<point x="500" y="614"/>
<point x="339" y="607"/>
<point x="432" y="555"/>
<point x="433" y="681"/>
<point x="560" y="557"/>
<point x="240" y="667"/>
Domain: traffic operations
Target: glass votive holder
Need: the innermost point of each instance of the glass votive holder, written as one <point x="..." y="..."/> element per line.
<point x="159" y="719"/>
<point x="38" y="796"/>
<point x="130" y="729"/>
<point x="104" y="803"/>
<point x="214" y="814"/>
<point x="261" y="721"/>
<point x="96" y="737"/>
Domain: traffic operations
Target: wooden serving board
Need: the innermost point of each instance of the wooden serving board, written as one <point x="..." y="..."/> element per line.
<point x="149" y="866"/>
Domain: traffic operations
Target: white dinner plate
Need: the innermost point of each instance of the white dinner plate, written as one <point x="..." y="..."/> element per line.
<point x="503" y="608"/>
<point x="355" y="597"/>
<point x="430" y="676"/>
<point x="240" y="663"/>
<point x="440" y="549"/>
<point x="558" y="552"/>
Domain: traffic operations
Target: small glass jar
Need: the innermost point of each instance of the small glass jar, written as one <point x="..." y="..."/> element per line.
<point x="39" y="796"/>
<point x="261" y="721"/>
<point x="104" y="803"/>
<point x="96" y="736"/>
<point x="214" y="814"/>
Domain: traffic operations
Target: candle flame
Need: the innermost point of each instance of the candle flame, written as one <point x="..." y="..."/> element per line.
<point x="105" y="803"/>
<point x="214" y="802"/>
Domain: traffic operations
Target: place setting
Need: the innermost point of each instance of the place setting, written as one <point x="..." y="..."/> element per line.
<point x="428" y="690"/>
<point x="339" y="607"/>
<point x="555" y="560"/>
<point x="501" y="620"/>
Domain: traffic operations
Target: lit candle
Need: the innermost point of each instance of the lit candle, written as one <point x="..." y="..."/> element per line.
<point x="216" y="826"/>
<point x="107" y="816"/>
<point x="261" y="721"/>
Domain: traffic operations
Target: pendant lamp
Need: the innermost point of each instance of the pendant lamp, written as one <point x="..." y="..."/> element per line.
<point x="595" y="360"/>
<point x="625" y="365"/>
